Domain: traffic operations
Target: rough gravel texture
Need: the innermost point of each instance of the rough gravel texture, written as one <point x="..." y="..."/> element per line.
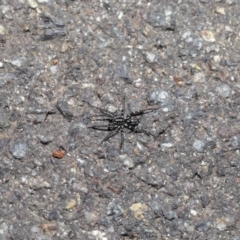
<point x="57" y="182"/>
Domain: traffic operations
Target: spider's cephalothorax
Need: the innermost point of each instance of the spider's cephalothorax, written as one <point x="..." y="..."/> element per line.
<point x="117" y="122"/>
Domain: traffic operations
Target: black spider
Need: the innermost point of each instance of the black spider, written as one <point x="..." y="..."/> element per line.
<point x="117" y="122"/>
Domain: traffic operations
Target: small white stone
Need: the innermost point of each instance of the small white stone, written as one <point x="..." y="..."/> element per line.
<point x="220" y="10"/>
<point x="2" y="30"/>
<point x="65" y="47"/>
<point x="23" y="179"/>
<point x="217" y="58"/>
<point x="127" y="161"/>
<point x="32" y="3"/>
<point x="111" y="108"/>
<point x="193" y="212"/>
<point x="228" y="29"/>
<point x="167" y="145"/>
<point x="186" y="34"/>
<point x="150" y="57"/>
<point x="19" y="62"/>
<point x="139" y="146"/>
<point x="199" y="77"/>
<point x="53" y="69"/>
<point x="208" y="36"/>
<point x="224" y="90"/>
<point x="120" y="15"/>
<point x="99" y="235"/>
<point x="199" y="145"/>
<point x="88" y="85"/>
<point x="5" y="9"/>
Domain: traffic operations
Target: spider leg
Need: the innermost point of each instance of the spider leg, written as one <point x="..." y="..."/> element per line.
<point x="106" y="112"/>
<point x="123" y="106"/>
<point x="103" y="111"/>
<point x="141" y="112"/>
<point x="101" y="127"/>
<point x="101" y="118"/>
<point x="122" y="138"/>
<point x="110" y="135"/>
<point x="138" y="130"/>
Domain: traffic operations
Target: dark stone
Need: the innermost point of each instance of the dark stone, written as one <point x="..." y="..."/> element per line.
<point x="65" y="109"/>
<point x="51" y="34"/>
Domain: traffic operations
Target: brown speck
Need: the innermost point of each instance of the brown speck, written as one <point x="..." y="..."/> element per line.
<point x="178" y="81"/>
<point x="48" y="228"/>
<point x="185" y="67"/>
<point x="115" y="189"/>
<point x="55" y="61"/>
<point x="58" y="154"/>
<point x="237" y="180"/>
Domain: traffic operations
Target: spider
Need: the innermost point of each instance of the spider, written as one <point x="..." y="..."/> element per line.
<point x="118" y="121"/>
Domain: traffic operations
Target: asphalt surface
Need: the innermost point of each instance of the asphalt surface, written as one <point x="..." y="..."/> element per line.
<point x="63" y="63"/>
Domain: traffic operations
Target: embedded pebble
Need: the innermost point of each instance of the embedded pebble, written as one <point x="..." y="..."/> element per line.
<point x="90" y="217"/>
<point x="167" y="145"/>
<point x="32" y="3"/>
<point x="45" y="139"/>
<point x="139" y="210"/>
<point x="199" y="145"/>
<point x="224" y="90"/>
<point x="222" y="223"/>
<point x="208" y="36"/>
<point x="51" y="34"/>
<point x="65" y="47"/>
<point x="38" y="182"/>
<point x="53" y="69"/>
<point x="4" y="228"/>
<point x="220" y="10"/>
<point x="35" y="229"/>
<point x="159" y="96"/>
<point x="65" y="109"/>
<point x="199" y="77"/>
<point x="169" y="214"/>
<point x="205" y="200"/>
<point x="3" y="31"/>
<point x="161" y="17"/>
<point x="193" y="212"/>
<point x="19" y="62"/>
<point x="19" y="150"/>
<point x="71" y="204"/>
<point x="112" y="167"/>
<point x="203" y="226"/>
<point x="127" y="161"/>
<point x="151" y="57"/>
<point x="99" y="235"/>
